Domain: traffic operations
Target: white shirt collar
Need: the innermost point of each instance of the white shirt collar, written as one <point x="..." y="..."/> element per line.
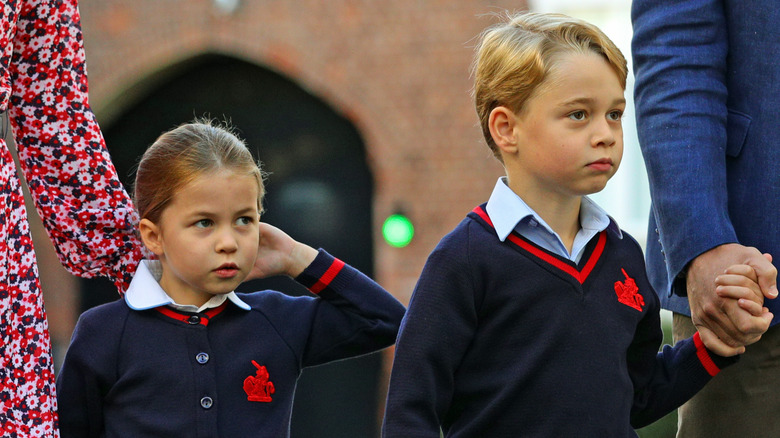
<point x="145" y="292"/>
<point x="506" y="209"/>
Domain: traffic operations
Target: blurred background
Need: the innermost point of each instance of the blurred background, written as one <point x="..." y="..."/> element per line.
<point x="359" y="109"/>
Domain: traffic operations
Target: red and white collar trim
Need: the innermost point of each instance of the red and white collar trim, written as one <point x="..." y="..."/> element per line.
<point x="145" y="292"/>
<point x="579" y="275"/>
<point x="201" y="318"/>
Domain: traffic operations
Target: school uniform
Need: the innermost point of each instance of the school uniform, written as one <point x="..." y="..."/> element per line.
<point x="140" y="367"/>
<point x="506" y="338"/>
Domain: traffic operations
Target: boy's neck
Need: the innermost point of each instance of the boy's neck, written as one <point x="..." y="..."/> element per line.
<point x="561" y="213"/>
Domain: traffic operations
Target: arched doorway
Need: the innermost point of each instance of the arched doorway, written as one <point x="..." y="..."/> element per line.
<point x="319" y="192"/>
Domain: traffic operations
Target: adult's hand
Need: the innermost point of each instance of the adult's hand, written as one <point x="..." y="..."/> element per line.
<point x="721" y="321"/>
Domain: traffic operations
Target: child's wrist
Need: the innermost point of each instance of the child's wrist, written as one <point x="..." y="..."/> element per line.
<point x="301" y="257"/>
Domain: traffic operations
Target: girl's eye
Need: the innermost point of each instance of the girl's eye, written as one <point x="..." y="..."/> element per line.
<point x="203" y="223"/>
<point x="245" y="220"/>
<point x="577" y="115"/>
<point x="615" y="115"/>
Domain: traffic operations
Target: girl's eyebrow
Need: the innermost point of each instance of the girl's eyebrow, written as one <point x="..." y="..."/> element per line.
<point x="201" y="213"/>
<point x="247" y="210"/>
<point x="253" y="208"/>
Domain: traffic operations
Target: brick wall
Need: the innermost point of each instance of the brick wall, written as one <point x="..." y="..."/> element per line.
<point x="398" y="70"/>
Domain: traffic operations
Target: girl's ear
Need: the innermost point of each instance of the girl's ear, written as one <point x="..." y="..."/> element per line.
<point x="151" y="236"/>
<point x="502" y="123"/>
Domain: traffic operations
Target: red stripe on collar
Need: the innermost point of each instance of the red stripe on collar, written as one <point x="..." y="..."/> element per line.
<point x="580" y="276"/>
<point x="202" y="318"/>
<point x="483" y="214"/>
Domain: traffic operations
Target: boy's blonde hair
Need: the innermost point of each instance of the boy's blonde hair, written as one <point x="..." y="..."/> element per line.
<point x="182" y="154"/>
<point x="515" y="56"/>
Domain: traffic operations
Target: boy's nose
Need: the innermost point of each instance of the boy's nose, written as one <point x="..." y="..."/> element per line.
<point x="604" y="135"/>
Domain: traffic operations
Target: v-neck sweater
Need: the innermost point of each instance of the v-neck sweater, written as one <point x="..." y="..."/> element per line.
<point x="506" y="339"/>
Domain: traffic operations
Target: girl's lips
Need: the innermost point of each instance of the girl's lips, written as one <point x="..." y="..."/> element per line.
<point x="227" y="271"/>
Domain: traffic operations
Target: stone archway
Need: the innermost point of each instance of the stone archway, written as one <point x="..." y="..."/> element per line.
<point x="319" y="191"/>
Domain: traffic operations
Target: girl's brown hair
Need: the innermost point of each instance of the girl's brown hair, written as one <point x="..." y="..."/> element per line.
<point x="184" y="153"/>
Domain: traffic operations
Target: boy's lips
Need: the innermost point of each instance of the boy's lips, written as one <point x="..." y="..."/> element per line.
<point x="603" y="164"/>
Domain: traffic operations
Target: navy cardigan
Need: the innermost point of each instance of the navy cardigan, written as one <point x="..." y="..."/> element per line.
<point x="225" y="372"/>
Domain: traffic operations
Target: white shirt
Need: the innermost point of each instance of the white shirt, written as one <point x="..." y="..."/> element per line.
<point x="145" y="292"/>
<point x="509" y="212"/>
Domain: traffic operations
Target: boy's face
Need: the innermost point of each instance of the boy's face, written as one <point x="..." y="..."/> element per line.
<point x="569" y="134"/>
<point x="208" y="236"/>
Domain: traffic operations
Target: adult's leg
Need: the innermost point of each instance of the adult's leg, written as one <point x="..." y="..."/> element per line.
<point x="743" y="400"/>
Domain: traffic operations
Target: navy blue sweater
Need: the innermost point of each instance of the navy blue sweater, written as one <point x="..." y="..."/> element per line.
<point x="506" y="339"/>
<point x="226" y="372"/>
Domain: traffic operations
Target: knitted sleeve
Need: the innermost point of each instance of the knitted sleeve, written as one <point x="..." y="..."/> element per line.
<point x="89" y="370"/>
<point x="353" y="315"/>
<point x="665" y="380"/>
<point x="434" y="336"/>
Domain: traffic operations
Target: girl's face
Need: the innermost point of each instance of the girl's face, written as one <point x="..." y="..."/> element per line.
<point x="207" y="237"/>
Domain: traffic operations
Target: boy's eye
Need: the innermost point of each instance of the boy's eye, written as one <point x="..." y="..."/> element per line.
<point x="577" y="115"/>
<point x="615" y="115"/>
<point x="203" y="223"/>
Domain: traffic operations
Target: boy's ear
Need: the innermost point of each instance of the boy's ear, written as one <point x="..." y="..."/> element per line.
<point x="502" y="123"/>
<point x="150" y="235"/>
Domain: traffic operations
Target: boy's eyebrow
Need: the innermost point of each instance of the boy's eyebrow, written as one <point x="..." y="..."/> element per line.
<point x="589" y="100"/>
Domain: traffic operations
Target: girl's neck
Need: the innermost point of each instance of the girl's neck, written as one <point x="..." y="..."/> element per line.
<point x="182" y="297"/>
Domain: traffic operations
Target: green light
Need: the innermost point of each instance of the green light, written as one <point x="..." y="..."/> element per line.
<point x="398" y="230"/>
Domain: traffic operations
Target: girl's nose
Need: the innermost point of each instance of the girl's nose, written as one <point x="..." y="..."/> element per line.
<point x="227" y="242"/>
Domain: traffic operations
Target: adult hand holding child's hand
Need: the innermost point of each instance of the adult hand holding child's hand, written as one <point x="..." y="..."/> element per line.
<point x="726" y="288"/>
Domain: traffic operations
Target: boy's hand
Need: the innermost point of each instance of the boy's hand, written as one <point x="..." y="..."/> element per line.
<point x="738" y="282"/>
<point x="724" y="326"/>
<point x="280" y="254"/>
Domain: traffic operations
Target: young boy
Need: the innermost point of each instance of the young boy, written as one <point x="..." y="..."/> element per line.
<point x="534" y="317"/>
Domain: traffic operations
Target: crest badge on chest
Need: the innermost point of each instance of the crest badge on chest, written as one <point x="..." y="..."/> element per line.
<point x="259" y="387"/>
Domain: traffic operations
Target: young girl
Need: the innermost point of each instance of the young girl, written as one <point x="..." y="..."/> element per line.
<point x="183" y="353"/>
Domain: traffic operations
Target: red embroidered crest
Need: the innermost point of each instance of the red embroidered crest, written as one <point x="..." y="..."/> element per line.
<point x="628" y="293"/>
<point x="259" y="388"/>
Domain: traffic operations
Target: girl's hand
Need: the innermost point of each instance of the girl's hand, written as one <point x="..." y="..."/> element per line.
<point x="280" y="254"/>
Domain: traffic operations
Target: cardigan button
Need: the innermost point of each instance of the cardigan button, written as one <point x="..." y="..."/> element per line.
<point x="194" y="320"/>
<point x="202" y="358"/>
<point x="206" y="402"/>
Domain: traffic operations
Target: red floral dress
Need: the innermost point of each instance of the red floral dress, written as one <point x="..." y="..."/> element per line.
<point x="86" y="211"/>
